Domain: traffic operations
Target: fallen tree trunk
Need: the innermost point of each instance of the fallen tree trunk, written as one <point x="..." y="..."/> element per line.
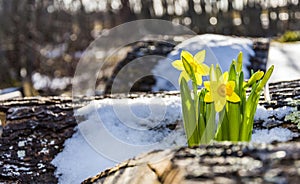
<point x="34" y="132"/>
<point x="216" y="163"/>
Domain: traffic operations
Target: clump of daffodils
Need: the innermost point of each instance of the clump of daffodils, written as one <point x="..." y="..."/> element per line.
<point x="224" y="95"/>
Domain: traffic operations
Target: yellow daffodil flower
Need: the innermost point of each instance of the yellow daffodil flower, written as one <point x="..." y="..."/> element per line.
<point x="196" y="63"/>
<point x="219" y="91"/>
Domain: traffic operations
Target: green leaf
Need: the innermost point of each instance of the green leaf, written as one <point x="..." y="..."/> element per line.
<point x="232" y="73"/>
<point x="222" y="131"/>
<point x="188" y="111"/>
<point x="201" y="110"/>
<point x="242" y="94"/>
<point x="210" y="118"/>
<point x="240" y="86"/>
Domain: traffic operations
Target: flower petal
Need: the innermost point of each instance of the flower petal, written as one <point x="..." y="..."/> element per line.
<point x="231" y="84"/>
<point x="224" y="78"/>
<point x="208" y="98"/>
<point x="188" y="56"/>
<point x="178" y="64"/>
<point x="233" y="98"/>
<point x="207" y="85"/>
<point x="200" y="56"/>
<point x="203" y="69"/>
<point x="220" y="103"/>
<point x="198" y="78"/>
<point x="184" y="75"/>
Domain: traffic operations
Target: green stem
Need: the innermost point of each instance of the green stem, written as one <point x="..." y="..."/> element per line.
<point x="251" y="118"/>
<point x="234" y="117"/>
<point x="201" y="110"/>
<point x="244" y="134"/>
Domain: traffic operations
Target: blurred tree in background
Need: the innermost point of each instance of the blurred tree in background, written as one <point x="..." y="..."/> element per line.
<point x="49" y="36"/>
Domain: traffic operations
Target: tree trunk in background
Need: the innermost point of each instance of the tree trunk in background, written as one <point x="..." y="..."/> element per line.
<point x="147" y="8"/>
<point x="28" y="48"/>
<point x="192" y="14"/>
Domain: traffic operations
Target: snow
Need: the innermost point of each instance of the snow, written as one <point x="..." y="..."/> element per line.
<point x="285" y="57"/>
<point x="21" y="143"/>
<point x="219" y="49"/>
<point x="275" y="134"/>
<point x="79" y="161"/>
<point x="113" y="133"/>
<point x="14" y="170"/>
<point x="40" y="165"/>
<point x="44" y="151"/>
<point x="264" y="114"/>
<point x="118" y="129"/>
<point x="21" y="153"/>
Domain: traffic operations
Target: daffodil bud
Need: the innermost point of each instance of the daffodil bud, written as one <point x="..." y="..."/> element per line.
<point x="239" y="62"/>
<point x="255" y="77"/>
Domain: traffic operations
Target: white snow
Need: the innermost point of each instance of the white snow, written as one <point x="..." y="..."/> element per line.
<point x="79" y="161"/>
<point x="15" y="168"/>
<point x="263" y="114"/>
<point x="275" y="134"/>
<point x="116" y="130"/>
<point x="219" y="49"/>
<point x="40" y="165"/>
<point x="21" y="143"/>
<point x="286" y="58"/>
<point x="44" y="151"/>
<point x="21" y="153"/>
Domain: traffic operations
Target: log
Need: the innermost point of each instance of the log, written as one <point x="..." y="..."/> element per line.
<point x="34" y="132"/>
<point x="216" y="163"/>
